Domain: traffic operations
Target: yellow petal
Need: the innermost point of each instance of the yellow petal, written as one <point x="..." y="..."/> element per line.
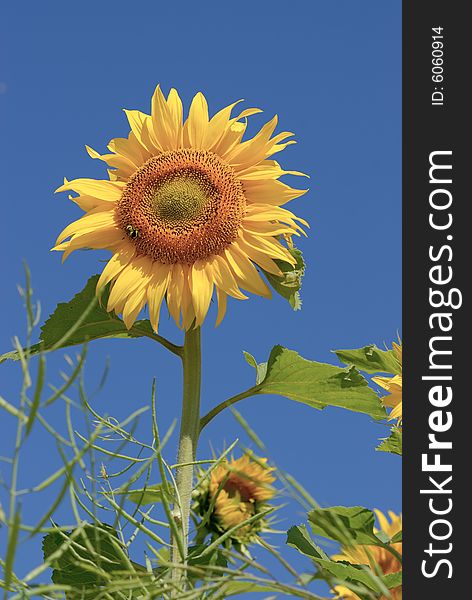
<point x="217" y="126"/>
<point x="260" y="258"/>
<point x="383" y="522"/>
<point x="162" y="121"/>
<point x="88" y="223"/>
<point x="139" y="124"/>
<point x="174" y="293"/>
<point x="267" y="169"/>
<point x="99" y="188"/>
<point x="222" y="301"/>
<point x="188" y="312"/>
<point x="176" y="110"/>
<point x="134" y="305"/>
<point x="197" y="122"/>
<point x="115" y="265"/>
<point x="223" y="277"/>
<point x="252" y="151"/>
<point x="270" y="191"/>
<point x="269" y="246"/>
<point x="156" y="290"/>
<point x="128" y="280"/>
<point x="129" y="148"/>
<point x="201" y="289"/>
<point x="246" y="273"/>
<point x="100" y="238"/>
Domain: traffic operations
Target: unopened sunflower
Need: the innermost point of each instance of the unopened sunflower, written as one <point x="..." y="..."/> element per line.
<point x="235" y="492"/>
<point x="189" y="208"/>
<point x="393" y="385"/>
<point x="379" y="559"/>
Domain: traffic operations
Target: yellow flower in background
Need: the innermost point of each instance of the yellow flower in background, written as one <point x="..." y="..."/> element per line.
<point x="189" y="208"/>
<point x="379" y="559"/>
<point x="237" y="490"/>
<point x="393" y="385"/>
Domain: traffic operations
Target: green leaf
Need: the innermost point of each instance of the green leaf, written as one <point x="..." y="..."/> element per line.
<point x="261" y="368"/>
<point x="84" y="563"/>
<point x="393" y="443"/>
<point x="348" y="525"/>
<point x="393" y="580"/>
<point x="214" y="558"/>
<point x="397" y="537"/>
<point x="235" y="588"/>
<point x="347" y="573"/>
<point x="299" y="538"/>
<point x="81" y="320"/>
<point x="149" y="495"/>
<point x="371" y="359"/>
<point x="289" y="283"/>
<point x="316" y="384"/>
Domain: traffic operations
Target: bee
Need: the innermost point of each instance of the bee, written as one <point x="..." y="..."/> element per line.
<point x="132" y="232"/>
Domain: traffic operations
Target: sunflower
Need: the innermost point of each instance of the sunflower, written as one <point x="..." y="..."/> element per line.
<point x="189" y="208"/>
<point x="236" y="491"/>
<point x="379" y="559"/>
<point x="394" y="386"/>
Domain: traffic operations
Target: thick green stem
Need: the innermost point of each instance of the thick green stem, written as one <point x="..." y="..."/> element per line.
<point x="189" y="432"/>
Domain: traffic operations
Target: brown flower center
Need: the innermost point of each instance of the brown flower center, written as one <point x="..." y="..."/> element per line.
<point x="182" y="206"/>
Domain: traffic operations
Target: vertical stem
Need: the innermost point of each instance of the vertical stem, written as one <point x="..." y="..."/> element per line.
<point x="189" y="431"/>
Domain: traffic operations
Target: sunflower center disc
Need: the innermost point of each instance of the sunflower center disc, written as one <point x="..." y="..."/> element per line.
<point x="180" y="199"/>
<point x="182" y="206"/>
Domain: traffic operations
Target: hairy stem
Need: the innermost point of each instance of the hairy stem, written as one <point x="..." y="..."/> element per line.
<point x="188" y="439"/>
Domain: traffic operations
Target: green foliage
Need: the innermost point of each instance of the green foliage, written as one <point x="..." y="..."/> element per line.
<point x="289" y="283"/>
<point x="148" y="495"/>
<point x="91" y="560"/>
<point x="319" y="385"/>
<point x="371" y="359"/>
<point x="393" y="443"/>
<point x="349" y="526"/>
<point x="86" y="557"/>
<point x="81" y="320"/>
<point x="299" y="538"/>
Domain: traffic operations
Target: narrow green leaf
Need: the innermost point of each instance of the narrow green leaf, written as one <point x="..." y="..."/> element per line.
<point x="13" y="532"/>
<point x="236" y="588"/>
<point x="149" y="495"/>
<point x="317" y="384"/>
<point x="289" y="283"/>
<point x="12" y="410"/>
<point x="371" y="359"/>
<point x="393" y="443"/>
<point x="37" y="394"/>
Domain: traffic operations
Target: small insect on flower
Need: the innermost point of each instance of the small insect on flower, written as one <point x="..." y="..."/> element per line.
<point x="132" y="232"/>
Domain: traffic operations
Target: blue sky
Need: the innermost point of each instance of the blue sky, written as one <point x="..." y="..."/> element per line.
<point x="332" y="72"/>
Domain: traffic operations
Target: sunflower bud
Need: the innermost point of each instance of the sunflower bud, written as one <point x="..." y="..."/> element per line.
<point x="232" y="497"/>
